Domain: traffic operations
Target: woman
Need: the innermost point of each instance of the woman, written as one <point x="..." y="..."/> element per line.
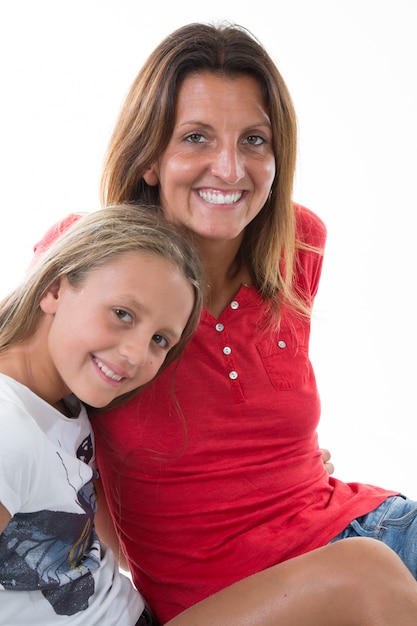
<point x="233" y="482"/>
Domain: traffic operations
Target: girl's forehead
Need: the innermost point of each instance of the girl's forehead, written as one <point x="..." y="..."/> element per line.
<point x="140" y="257"/>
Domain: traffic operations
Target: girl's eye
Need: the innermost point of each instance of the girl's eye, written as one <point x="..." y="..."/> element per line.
<point x="160" y="341"/>
<point x="123" y="315"/>
<point x="254" y="140"/>
<point x="195" y="138"/>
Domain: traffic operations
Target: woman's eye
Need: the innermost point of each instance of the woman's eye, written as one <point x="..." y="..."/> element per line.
<point x="255" y="140"/>
<point x="160" y="341"/>
<point x="195" y="138"/>
<point x="123" y="315"/>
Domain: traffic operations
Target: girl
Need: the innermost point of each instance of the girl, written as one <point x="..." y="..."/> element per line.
<point x="111" y="303"/>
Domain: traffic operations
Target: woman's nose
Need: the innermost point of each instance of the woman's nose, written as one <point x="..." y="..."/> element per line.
<point x="228" y="164"/>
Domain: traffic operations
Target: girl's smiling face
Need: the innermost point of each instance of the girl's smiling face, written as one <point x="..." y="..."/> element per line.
<point x="112" y="334"/>
<point x="218" y="168"/>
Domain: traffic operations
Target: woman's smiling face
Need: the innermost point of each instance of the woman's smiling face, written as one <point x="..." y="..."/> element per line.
<point x="218" y="168"/>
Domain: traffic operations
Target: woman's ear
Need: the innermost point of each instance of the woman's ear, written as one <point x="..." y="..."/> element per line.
<point x="49" y="300"/>
<point x="151" y="177"/>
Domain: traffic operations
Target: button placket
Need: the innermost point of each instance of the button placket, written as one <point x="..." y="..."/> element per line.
<point x="226" y="346"/>
<point x="227" y="350"/>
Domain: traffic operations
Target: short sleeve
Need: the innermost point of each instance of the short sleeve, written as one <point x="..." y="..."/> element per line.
<point x="19" y="454"/>
<point x="53" y="233"/>
<point x="311" y="235"/>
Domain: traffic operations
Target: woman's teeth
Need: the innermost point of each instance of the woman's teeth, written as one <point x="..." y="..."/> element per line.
<point x="220" y="198"/>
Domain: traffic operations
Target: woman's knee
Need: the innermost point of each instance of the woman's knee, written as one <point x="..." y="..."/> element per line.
<point x="378" y="582"/>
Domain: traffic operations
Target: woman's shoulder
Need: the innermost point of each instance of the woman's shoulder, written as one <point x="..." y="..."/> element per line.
<point x="54" y="232"/>
<point x="310" y="229"/>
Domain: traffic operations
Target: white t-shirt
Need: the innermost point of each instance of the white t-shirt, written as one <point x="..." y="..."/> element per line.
<point x="53" y="570"/>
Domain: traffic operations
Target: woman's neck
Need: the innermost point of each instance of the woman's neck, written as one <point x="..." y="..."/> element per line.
<point x="223" y="274"/>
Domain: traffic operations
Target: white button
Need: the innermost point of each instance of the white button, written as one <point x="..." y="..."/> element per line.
<point x="227" y="350"/>
<point x="219" y="327"/>
<point x="234" y="304"/>
<point x="233" y="375"/>
<point x="282" y="344"/>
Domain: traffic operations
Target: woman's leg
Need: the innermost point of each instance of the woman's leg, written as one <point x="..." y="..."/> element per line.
<point x="394" y="522"/>
<point x="354" y="582"/>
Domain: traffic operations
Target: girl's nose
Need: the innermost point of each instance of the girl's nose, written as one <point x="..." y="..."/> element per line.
<point x="135" y="351"/>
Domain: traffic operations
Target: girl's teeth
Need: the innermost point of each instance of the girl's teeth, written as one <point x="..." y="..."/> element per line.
<point x="107" y="371"/>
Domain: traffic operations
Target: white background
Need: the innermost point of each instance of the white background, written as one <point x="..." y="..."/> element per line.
<point x="65" y="67"/>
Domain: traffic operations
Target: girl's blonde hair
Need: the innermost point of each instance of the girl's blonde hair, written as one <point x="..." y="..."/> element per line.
<point x="145" y="126"/>
<point x="92" y="241"/>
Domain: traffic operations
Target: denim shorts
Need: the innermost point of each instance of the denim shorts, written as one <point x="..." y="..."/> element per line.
<point x="395" y="523"/>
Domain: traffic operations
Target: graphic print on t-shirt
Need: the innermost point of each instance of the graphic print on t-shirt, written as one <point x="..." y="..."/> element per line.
<point x="54" y="551"/>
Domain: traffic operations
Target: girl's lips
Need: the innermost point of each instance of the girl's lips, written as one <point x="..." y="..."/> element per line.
<point x="220" y="197"/>
<point x="108" y="372"/>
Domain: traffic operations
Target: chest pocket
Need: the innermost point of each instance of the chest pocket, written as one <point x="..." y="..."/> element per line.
<point x="285" y="357"/>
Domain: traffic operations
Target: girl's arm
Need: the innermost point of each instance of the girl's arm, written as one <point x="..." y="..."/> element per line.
<point x="5" y="517"/>
<point x="105" y="527"/>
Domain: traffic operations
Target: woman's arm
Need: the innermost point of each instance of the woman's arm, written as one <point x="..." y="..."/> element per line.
<point x="326" y="456"/>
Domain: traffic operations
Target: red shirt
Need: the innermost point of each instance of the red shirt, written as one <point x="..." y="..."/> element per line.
<point x="236" y="483"/>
